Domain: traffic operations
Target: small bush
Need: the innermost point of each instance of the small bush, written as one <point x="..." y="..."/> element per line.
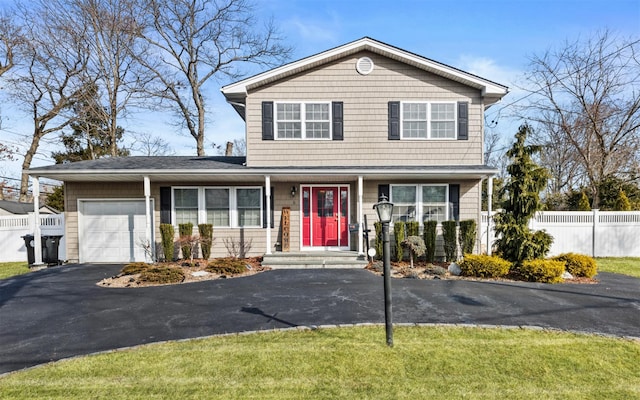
<point x="413" y="228"/>
<point x="206" y="239"/>
<point x="546" y="271"/>
<point x="430" y="239"/>
<point x="162" y="275"/>
<point x="484" y="266"/>
<point x="467" y="239"/>
<point x="167" y="232"/>
<point x="435" y="270"/>
<point x="378" y="243"/>
<point x="185" y="231"/>
<point x="578" y="264"/>
<point x="135" y="268"/>
<point x="227" y="266"/>
<point x="398" y="234"/>
<point x="449" y="235"/>
<point x="415" y="245"/>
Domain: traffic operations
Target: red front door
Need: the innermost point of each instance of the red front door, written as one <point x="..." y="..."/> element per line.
<point x="325" y="211"/>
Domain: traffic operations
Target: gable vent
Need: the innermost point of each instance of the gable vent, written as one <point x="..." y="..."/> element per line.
<point x="364" y="65"/>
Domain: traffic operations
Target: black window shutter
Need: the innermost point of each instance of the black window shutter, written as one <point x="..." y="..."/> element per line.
<point x="165" y="205"/>
<point x="264" y="207"/>
<point x="454" y="199"/>
<point x="338" y="126"/>
<point x="463" y="120"/>
<point x="383" y="190"/>
<point x="394" y="120"/>
<point x="267" y="120"/>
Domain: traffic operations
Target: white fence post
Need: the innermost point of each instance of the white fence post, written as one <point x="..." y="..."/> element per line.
<point x="595" y="222"/>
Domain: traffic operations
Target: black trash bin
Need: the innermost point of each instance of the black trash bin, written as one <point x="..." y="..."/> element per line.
<point x="49" y="246"/>
<point x="28" y="243"/>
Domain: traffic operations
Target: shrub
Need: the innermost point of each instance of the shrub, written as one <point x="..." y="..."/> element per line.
<point x="398" y="234"/>
<point x="484" y="266"/>
<point x="435" y="270"/>
<point x="430" y="239"/>
<point x="168" y="233"/>
<point x="413" y="228"/>
<point x="415" y="245"/>
<point x="185" y="231"/>
<point x="206" y="239"/>
<point x="378" y="244"/>
<point x="227" y="266"/>
<point x="135" y="268"/>
<point x="578" y="264"/>
<point x="547" y="271"/>
<point x="467" y="238"/>
<point x="162" y="275"/>
<point x="449" y="235"/>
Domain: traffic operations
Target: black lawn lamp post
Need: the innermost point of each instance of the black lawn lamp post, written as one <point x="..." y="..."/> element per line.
<point x="384" y="208"/>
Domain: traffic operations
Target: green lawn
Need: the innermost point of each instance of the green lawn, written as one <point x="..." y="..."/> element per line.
<point x="620" y="265"/>
<point x="9" y="269"/>
<point x="349" y="363"/>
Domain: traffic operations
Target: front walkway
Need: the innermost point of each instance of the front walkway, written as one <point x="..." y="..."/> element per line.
<point x="60" y="312"/>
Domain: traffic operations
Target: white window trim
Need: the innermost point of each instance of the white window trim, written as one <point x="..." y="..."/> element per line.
<point x="420" y="202"/>
<point x="233" y="205"/>
<point x="303" y="105"/>
<point x="428" y="121"/>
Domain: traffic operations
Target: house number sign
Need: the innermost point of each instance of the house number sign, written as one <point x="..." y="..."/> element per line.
<point x="286" y="228"/>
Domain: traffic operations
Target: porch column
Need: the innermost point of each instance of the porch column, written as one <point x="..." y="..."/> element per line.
<point x="360" y="217"/>
<point x="267" y="190"/>
<point x="489" y="210"/>
<point x="37" y="241"/>
<point x="151" y="253"/>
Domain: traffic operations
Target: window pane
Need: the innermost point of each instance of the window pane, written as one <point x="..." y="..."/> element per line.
<point x="248" y="204"/>
<point x="317" y="130"/>
<point x="217" y="205"/>
<point x="414" y="120"/>
<point x="414" y="129"/>
<point x="414" y="111"/>
<point x="443" y="120"/>
<point x="186" y="205"/>
<point x="434" y="213"/>
<point x="404" y="203"/>
<point x="289" y="130"/>
<point x="288" y="111"/>
<point x="434" y="194"/>
<point x="186" y="198"/>
<point x="317" y="112"/>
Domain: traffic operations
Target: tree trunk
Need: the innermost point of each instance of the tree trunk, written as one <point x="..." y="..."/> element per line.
<point x="26" y="163"/>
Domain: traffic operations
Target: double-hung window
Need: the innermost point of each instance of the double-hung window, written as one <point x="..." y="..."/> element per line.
<point x="233" y="207"/>
<point x="303" y="120"/>
<point x="186" y="206"/>
<point x="420" y="203"/>
<point x="424" y="120"/>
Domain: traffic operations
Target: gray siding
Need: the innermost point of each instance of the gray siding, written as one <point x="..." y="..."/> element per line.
<point x="365" y="100"/>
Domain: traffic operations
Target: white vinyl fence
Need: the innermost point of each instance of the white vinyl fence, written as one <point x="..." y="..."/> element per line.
<point x="13" y="227"/>
<point x="595" y="233"/>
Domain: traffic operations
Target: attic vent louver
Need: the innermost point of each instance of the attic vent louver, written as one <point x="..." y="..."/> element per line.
<point x="364" y="65"/>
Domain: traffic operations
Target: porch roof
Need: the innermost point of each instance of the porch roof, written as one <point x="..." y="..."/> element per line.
<point x="233" y="169"/>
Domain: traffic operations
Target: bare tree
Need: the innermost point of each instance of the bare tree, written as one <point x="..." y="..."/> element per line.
<point x="195" y="41"/>
<point x="587" y="100"/>
<point x="10" y="39"/>
<point x="54" y="57"/>
<point x="149" y="145"/>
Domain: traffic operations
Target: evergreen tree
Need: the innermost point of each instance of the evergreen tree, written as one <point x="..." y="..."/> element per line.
<point x="583" y="203"/>
<point x="89" y="139"/>
<point x="622" y="202"/>
<point x="516" y="242"/>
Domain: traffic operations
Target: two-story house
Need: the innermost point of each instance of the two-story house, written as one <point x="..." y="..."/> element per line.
<point x="325" y="137"/>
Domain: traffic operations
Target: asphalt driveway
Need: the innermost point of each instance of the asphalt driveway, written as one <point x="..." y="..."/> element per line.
<point x="60" y="312"/>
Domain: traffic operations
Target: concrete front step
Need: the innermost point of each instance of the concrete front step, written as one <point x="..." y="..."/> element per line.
<point x="325" y="259"/>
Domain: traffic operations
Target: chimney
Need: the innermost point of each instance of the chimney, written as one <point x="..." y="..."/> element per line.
<point x="229" y="151"/>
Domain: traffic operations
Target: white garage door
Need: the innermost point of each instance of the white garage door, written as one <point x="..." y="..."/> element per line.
<point x="112" y="231"/>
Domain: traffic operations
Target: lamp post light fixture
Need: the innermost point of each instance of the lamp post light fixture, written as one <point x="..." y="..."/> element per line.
<point x="384" y="208"/>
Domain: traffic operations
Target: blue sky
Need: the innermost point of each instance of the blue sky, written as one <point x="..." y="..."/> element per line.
<point x="491" y="38"/>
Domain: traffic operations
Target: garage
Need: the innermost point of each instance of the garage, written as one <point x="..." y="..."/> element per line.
<point x="111" y="231"/>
